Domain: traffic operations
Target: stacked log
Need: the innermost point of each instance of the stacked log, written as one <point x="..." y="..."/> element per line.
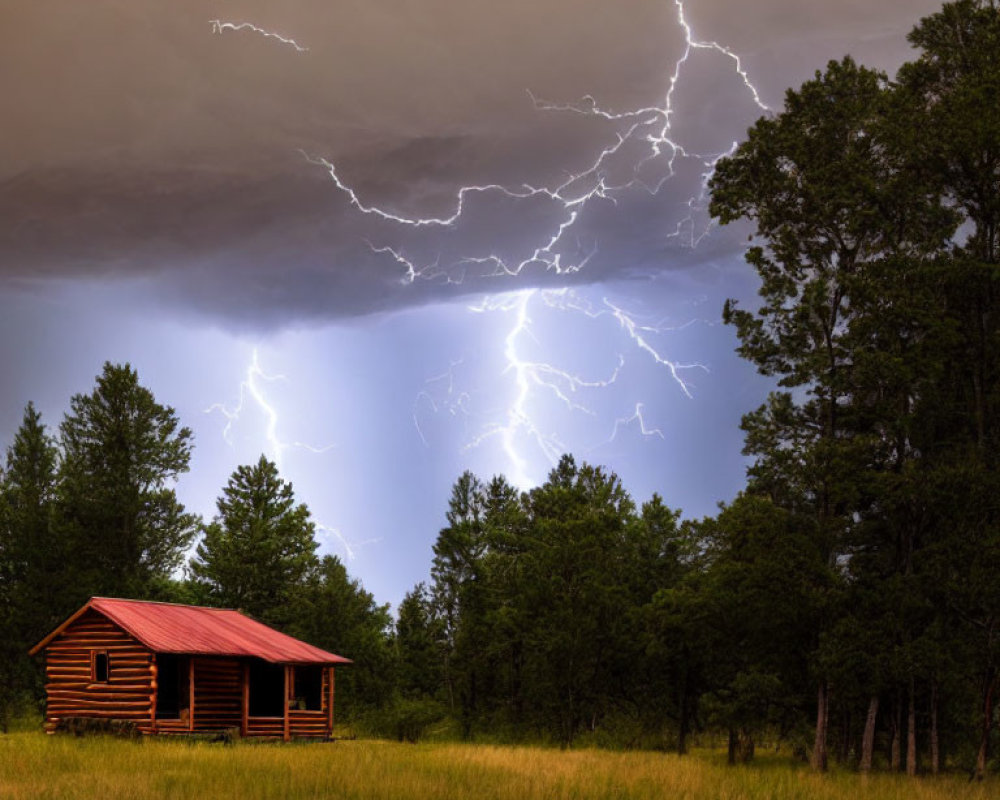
<point x="266" y="726"/>
<point x="218" y="694"/>
<point x="71" y="688"/>
<point x="307" y="724"/>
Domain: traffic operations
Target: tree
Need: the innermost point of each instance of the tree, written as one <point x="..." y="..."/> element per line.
<point x="419" y="640"/>
<point x="260" y="549"/>
<point x="834" y="200"/>
<point x="333" y="611"/>
<point x="458" y="591"/>
<point x="659" y="556"/>
<point x="122" y="451"/>
<point x="953" y="94"/>
<point x="764" y="586"/>
<point x="538" y="602"/>
<point x="572" y="590"/>
<point x="32" y="557"/>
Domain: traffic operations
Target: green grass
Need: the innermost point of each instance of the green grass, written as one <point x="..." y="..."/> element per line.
<point x="37" y="767"/>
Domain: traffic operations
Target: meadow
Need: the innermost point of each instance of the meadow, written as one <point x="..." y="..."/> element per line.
<point x="38" y="767"/>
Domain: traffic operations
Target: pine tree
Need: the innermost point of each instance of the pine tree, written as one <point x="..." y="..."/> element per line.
<point x="32" y="557"/>
<point x="259" y="550"/>
<point x="122" y="451"/>
<point x="419" y="640"/>
<point x="333" y="611"/>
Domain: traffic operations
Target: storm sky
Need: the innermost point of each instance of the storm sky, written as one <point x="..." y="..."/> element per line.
<point x="384" y="241"/>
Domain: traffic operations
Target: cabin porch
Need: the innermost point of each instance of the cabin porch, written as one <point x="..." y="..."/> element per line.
<point x="199" y="695"/>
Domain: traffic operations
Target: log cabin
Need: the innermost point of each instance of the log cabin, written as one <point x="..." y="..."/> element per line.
<point x="178" y="669"/>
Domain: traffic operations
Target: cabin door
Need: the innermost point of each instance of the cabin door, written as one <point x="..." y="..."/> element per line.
<point x="173" y="675"/>
<point x="267" y="689"/>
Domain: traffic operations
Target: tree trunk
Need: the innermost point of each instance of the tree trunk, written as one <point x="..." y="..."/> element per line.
<point x="741" y="746"/>
<point x="935" y="742"/>
<point x="984" y="742"/>
<point x="844" y="751"/>
<point x="449" y="683"/>
<point x="868" y="740"/>
<point x="682" y="733"/>
<point x="911" y="734"/>
<point x="818" y="760"/>
<point x="897" y="730"/>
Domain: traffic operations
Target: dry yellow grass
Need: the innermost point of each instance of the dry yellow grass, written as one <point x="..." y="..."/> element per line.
<point x="36" y="767"/>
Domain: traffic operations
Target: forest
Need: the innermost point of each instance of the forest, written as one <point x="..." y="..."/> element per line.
<point x="845" y="605"/>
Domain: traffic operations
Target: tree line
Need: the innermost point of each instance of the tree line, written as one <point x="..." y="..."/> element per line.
<point x="848" y="599"/>
<point x="845" y="604"/>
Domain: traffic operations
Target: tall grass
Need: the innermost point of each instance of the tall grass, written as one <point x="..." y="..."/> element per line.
<point x="37" y="767"/>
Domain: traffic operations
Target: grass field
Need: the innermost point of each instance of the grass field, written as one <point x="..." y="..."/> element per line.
<point x="36" y="767"/>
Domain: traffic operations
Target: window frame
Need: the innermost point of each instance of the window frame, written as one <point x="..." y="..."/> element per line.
<point x="94" y="677"/>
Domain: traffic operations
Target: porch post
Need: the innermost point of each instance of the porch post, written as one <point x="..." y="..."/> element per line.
<point x="329" y="702"/>
<point x="288" y="669"/>
<point x="191" y="693"/>
<point x="244" y="721"/>
<point x="154" y="691"/>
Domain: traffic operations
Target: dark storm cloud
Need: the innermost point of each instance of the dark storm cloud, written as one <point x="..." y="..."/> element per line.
<point x="137" y="141"/>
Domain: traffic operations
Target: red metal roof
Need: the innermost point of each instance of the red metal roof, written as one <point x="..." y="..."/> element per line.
<point x="171" y="628"/>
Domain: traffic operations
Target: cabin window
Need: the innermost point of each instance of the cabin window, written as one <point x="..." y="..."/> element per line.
<point x="308" y="688"/>
<point x="99" y="667"/>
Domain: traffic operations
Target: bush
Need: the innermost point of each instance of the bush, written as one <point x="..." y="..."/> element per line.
<point x="405" y="720"/>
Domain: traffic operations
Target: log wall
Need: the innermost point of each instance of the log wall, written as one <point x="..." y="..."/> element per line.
<point x="272" y="727"/>
<point x="218" y="694"/>
<point x="128" y="693"/>
<point x="307" y="724"/>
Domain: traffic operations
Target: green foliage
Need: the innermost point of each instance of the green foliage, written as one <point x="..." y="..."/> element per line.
<point x="876" y="208"/>
<point x="405" y="720"/>
<point x="259" y="548"/>
<point x="121" y="453"/>
<point x="420" y="643"/>
<point x="94" y="513"/>
<point x="535" y="622"/>
<point x="259" y="555"/>
<point x="333" y="611"/>
<point x="765" y="586"/>
<point x="32" y="568"/>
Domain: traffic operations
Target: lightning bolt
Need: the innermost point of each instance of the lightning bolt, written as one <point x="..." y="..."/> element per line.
<point x="527" y="374"/>
<point x="531" y="379"/>
<point x="648" y="126"/>
<point x="639" y="334"/>
<point x="336" y="537"/>
<point x="652" y="126"/>
<point x="637" y="415"/>
<point x="251" y="389"/>
<point x="454" y="402"/>
<point x="218" y="26"/>
<point x="644" y="152"/>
